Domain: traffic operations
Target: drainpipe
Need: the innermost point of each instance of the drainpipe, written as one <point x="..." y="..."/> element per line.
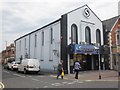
<point x="111" y="57"/>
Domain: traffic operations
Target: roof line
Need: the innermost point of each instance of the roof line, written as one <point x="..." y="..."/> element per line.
<point x="76" y="9"/>
<point x="112" y="18"/>
<point x="94" y="13"/>
<point x="38" y="29"/>
<point x="82" y="7"/>
<point x="115" y="22"/>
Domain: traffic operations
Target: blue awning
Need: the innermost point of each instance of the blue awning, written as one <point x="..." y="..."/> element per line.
<point x="83" y="49"/>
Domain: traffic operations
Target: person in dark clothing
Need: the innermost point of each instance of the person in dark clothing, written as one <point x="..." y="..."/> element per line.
<point x="77" y="68"/>
<point x="60" y="69"/>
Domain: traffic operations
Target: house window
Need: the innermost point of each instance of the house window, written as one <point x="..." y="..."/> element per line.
<point x="25" y="43"/>
<point x="98" y="36"/>
<point x="20" y="46"/>
<point x="51" y="38"/>
<point x="35" y="40"/>
<point x="42" y="38"/>
<point x="87" y="35"/>
<point x="74" y="34"/>
<point x="118" y="39"/>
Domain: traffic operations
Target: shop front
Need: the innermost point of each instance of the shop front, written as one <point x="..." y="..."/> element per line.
<point x="86" y="54"/>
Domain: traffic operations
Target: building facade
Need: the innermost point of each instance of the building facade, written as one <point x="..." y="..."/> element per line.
<point x="76" y="35"/>
<point x="8" y="53"/>
<point x="111" y="27"/>
<point x="0" y="58"/>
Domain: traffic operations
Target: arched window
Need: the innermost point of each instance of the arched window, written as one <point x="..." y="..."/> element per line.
<point x="98" y="36"/>
<point x="74" y="34"/>
<point x="87" y="35"/>
<point x="35" y="40"/>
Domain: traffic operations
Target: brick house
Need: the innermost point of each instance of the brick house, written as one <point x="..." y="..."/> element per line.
<point x="112" y="38"/>
<point x="8" y="53"/>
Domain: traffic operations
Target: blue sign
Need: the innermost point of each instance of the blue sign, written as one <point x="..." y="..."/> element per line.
<point x="84" y="49"/>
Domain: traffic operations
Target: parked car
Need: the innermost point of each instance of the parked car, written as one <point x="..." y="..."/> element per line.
<point x="13" y="65"/>
<point x="29" y="65"/>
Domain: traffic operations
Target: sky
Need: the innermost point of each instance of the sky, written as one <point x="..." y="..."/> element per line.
<point x="19" y="17"/>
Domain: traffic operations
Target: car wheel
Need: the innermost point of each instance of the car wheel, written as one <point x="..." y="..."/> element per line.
<point x="36" y="72"/>
<point x="18" y="71"/>
<point x="25" y="71"/>
<point x="8" y="68"/>
<point x="12" y="68"/>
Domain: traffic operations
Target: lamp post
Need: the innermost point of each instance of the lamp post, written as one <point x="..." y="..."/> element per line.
<point x="99" y="61"/>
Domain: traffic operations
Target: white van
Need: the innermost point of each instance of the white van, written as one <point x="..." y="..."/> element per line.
<point x="29" y="65"/>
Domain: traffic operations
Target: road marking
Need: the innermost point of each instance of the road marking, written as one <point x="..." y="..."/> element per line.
<point x="29" y="76"/>
<point x="56" y="84"/>
<point x="71" y="83"/>
<point x="79" y="82"/>
<point x="40" y="76"/>
<point x="1" y="85"/>
<point x="64" y="82"/>
<point x="52" y="76"/>
<point x="35" y="79"/>
<point x="45" y="86"/>
<point x="76" y="80"/>
<point x="18" y="75"/>
<point x="36" y="87"/>
<point x="88" y="80"/>
<point x="6" y="71"/>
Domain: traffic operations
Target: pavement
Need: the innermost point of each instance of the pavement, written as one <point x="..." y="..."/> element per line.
<point x="106" y="75"/>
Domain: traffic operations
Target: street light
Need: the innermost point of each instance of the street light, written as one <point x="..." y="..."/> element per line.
<point x="100" y="50"/>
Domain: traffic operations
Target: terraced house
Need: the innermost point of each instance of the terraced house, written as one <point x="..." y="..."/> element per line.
<point x="112" y="28"/>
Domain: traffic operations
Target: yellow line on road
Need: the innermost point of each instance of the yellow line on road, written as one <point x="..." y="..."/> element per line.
<point x="1" y="85"/>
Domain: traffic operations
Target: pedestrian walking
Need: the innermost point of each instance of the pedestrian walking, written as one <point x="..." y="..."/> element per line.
<point x="77" y="68"/>
<point x="60" y="70"/>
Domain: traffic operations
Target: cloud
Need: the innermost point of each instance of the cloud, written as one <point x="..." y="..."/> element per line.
<point x="105" y="10"/>
<point x="23" y="16"/>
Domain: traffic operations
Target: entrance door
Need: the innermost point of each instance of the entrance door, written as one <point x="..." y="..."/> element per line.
<point x="88" y="62"/>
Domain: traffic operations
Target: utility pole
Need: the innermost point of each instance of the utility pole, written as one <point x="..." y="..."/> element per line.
<point x="100" y="50"/>
<point x="6" y="52"/>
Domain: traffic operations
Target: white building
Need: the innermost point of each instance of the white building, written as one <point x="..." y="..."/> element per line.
<point x="51" y="43"/>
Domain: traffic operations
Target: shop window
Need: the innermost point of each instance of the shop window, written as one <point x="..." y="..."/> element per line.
<point x="87" y="35"/>
<point x="74" y="34"/>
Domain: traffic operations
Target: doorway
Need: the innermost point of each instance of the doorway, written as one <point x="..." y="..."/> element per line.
<point x="89" y="62"/>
